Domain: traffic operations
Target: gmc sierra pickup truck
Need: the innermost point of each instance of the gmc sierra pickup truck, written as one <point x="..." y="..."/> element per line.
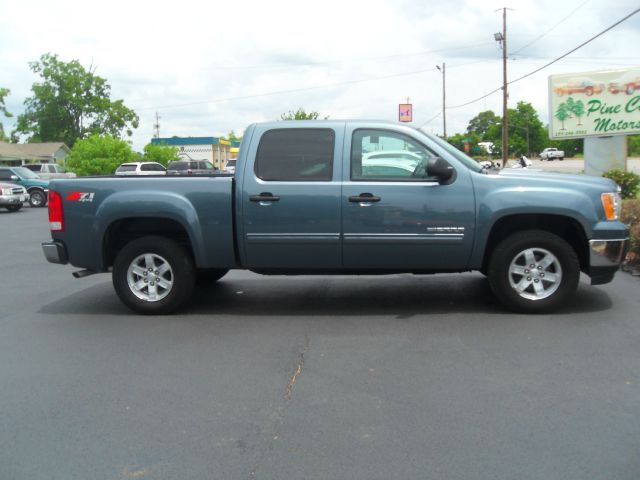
<point x="341" y="197"/>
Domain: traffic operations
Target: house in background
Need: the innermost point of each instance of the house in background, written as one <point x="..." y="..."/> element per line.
<point x="215" y="150"/>
<point x="21" y="153"/>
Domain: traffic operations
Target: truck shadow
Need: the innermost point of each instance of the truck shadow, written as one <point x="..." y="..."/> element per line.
<point x="402" y="296"/>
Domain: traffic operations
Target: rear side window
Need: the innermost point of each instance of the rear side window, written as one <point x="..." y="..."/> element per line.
<point x="126" y="168"/>
<point x="296" y="154"/>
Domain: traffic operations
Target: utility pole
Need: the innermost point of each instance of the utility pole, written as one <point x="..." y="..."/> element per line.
<point x="444" y="100"/>
<point x="502" y="38"/>
<point x="157" y="125"/>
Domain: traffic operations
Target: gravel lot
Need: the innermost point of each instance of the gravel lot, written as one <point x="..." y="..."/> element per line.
<point x="311" y="378"/>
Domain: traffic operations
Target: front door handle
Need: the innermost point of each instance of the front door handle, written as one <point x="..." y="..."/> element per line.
<point x="364" y="198"/>
<point x="264" y="197"/>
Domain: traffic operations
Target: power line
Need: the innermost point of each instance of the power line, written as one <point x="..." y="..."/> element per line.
<point x="578" y="47"/>
<point x="551" y="62"/>
<point x="552" y="28"/>
<point x="282" y="92"/>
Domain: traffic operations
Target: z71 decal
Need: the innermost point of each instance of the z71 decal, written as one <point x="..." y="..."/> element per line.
<point x="80" y="196"/>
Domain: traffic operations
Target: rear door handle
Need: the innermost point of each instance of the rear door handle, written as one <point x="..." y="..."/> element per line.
<point x="264" y="197"/>
<point x="364" y="198"/>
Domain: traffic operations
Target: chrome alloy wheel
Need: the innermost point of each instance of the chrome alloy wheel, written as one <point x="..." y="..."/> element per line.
<point x="150" y="277"/>
<point x="535" y="273"/>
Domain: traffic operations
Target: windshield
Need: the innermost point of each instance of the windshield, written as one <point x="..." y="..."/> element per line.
<point x="25" y="173"/>
<point x="463" y="157"/>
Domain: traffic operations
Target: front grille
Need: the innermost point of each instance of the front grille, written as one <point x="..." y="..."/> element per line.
<point x="17" y="191"/>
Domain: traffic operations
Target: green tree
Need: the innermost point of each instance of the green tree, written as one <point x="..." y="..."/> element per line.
<point x="634" y="145"/>
<point x="3" y="109"/>
<point x="71" y="103"/>
<point x="99" y="155"/>
<point x="232" y="137"/>
<point x="161" y="153"/>
<point x="562" y="113"/>
<point x="576" y="108"/>
<point x="300" y="114"/>
<point x="481" y="124"/>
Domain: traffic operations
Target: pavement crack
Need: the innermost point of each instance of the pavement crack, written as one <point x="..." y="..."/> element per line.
<point x="298" y="370"/>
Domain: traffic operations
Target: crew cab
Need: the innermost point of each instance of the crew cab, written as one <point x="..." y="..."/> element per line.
<point x="551" y="153"/>
<point x="303" y="201"/>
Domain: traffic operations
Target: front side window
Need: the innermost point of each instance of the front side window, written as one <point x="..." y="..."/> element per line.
<point x="296" y="154"/>
<point x="382" y="155"/>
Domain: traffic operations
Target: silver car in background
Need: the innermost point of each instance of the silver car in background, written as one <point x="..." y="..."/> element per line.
<point x="12" y="196"/>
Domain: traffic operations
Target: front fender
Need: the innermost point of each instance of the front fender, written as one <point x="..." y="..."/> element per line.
<point x="501" y="203"/>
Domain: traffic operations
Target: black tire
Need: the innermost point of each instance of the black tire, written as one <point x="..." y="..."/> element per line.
<point x="210" y="275"/>
<point x="14" y="208"/>
<point x="554" y="282"/>
<point x="561" y="158"/>
<point x="175" y="285"/>
<point x="37" y="198"/>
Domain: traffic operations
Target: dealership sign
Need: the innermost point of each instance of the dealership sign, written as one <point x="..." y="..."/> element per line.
<point x="602" y="103"/>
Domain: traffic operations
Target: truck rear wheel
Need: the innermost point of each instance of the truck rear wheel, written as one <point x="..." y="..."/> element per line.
<point x="153" y="275"/>
<point x="533" y="271"/>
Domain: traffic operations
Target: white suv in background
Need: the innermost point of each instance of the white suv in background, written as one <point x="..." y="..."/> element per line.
<point x="141" y="168"/>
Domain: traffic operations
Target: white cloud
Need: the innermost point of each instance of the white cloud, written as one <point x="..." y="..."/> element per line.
<point x="157" y="55"/>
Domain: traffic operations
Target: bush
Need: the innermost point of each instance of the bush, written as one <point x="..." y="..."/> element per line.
<point x="99" y="155"/>
<point x="629" y="182"/>
<point x="160" y="153"/>
<point x="631" y="215"/>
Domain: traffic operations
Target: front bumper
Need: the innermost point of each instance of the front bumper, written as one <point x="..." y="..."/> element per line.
<point x="13" y="199"/>
<point x="605" y="258"/>
<point x="55" y="252"/>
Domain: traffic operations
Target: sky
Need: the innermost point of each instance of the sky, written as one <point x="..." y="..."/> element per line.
<point x="209" y="68"/>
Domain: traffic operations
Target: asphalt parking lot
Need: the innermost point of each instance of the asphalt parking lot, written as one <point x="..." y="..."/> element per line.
<point x="311" y="378"/>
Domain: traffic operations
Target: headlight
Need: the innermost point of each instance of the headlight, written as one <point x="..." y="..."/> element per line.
<point x="7" y="191"/>
<point x="612" y="204"/>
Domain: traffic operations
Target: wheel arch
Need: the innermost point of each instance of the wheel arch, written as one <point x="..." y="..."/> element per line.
<point x="565" y="227"/>
<point x="124" y="230"/>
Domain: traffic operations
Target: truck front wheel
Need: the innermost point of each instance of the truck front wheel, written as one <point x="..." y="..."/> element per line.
<point x="533" y="271"/>
<point x="153" y="275"/>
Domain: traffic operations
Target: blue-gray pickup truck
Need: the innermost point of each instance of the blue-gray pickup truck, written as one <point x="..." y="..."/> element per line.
<point x="341" y="197"/>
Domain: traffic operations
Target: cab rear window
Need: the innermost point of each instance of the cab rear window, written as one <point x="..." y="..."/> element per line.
<point x="296" y="154"/>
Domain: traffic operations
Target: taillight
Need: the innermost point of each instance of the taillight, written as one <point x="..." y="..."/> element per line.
<point x="56" y="213"/>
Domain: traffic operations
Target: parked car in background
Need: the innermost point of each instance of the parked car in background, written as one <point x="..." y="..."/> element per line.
<point x="191" y="167"/>
<point x="12" y="196"/>
<point x="141" y="168"/>
<point x="551" y="153"/>
<point x="230" y="167"/>
<point x="35" y="186"/>
<point x="47" y="171"/>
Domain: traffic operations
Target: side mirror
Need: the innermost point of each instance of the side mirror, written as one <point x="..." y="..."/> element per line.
<point x="438" y="167"/>
<point x="15" y="178"/>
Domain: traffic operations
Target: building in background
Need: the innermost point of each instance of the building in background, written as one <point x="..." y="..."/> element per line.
<point x="19" y="154"/>
<point x="215" y="150"/>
